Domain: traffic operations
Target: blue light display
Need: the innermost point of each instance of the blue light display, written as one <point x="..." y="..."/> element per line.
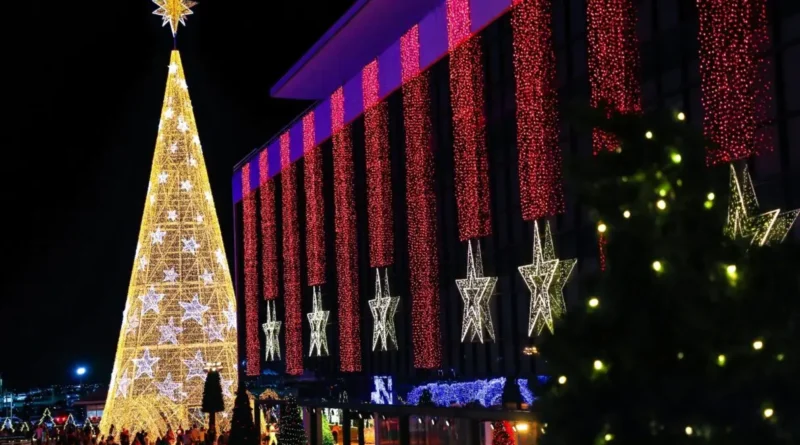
<point x="485" y="392"/>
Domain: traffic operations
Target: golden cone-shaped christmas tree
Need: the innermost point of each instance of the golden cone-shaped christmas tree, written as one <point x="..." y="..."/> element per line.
<point x="181" y="310"/>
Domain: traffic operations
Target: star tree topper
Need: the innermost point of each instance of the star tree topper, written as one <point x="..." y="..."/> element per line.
<point x="318" y="319"/>
<point x="174" y="12"/>
<point x="546" y="278"/>
<point x="271" y="330"/>
<point x="766" y="228"/>
<point x="476" y="290"/>
<point x="383" y="308"/>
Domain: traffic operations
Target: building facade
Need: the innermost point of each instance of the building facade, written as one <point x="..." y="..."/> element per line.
<point x="409" y="162"/>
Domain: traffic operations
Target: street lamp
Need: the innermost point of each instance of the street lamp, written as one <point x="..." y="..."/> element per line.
<point x="80" y="372"/>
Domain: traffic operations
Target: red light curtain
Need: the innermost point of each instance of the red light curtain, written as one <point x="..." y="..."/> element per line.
<point x="250" y="238"/>
<point x="291" y="262"/>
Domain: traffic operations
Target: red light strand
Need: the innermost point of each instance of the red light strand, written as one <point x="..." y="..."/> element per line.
<point x="252" y="341"/>
<point x="291" y="262"/>
<point x="421" y="206"/>
<point x="346" y="240"/>
<point x="379" y="171"/>
<point x="613" y="62"/>
<point x="735" y="90"/>
<point x="469" y="126"/>
<point x="269" y="236"/>
<point x="315" y="204"/>
<point x="541" y="188"/>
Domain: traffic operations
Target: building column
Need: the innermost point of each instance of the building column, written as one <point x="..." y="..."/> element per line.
<point x="257" y="417"/>
<point x="404" y="428"/>
<point x="376" y="427"/>
<point x="361" y="430"/>
<point x="347" y="417"/>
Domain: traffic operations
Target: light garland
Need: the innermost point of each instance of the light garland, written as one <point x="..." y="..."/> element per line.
<point x="421" y="204"/>
<point x="541" y="189"/>
<point x="291" y="262"/>
<point x="476" y="291"/>
<point x="318" y="322"/>
<point x="174" y="12"/>
<point x="346" y="239"/>
<point x="192" y="248"/>
<point x="733" y="77"/>
<point x="272" y="329"/>
<point x="269" y="230"/>
<point x="250" y="244"/>
<point x="613" y="62"/>
<point x="545" y="278"/>
<point x="315" y="204"/>
<point x="382" y="393"/>
<point x="383" y="308"/>
<point x="766" y="228"/>
<point x="486" y="392"/>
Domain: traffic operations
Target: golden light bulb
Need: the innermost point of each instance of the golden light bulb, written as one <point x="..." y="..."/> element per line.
<point x="598" y="365"/>
<point x="657" y="266"/>
<point x="721" y="359"/>
<point x="689" y="431"/>
<point x="602" y="228"/>
<point x="608" y="437"/>
<point x="562" y="380"/>
<point x="661" y="204"/>
<point x="768" y="412"/>
<point x="758" y="345"/>
<point x="626" y="214"/>
<point x="649" y="135"/>
<point x="681" y="116"/>
<point x="594" y="302"/>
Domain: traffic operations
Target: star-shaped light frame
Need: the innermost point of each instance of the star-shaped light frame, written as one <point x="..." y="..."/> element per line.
<point x="764" y="229"/>
<point x="174" y="12"/>
<point x="476" y="290"/>
<point x="383" y="308"/>
<point x="546" y="277"/>
<point x="272" y="329"/>
<point x="318" y="320"/>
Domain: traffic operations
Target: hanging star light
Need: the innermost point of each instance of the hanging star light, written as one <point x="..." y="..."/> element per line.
<point x="476" y="290"/>
<point x="196" y="367"/>
<point x="766" y="228"/>
<point x="214" y="330"/>
<point x="546" y="278"/>
<point x="271" y="330"/>
<point x="169" y="332"/>
<point x="144" y="365"/>
<point x="174" y="12"/>
<point x="383" y="308"/>
<point x="193" y="310"/>
<point x="168" y="387"/>
<point x="318" y="319"/>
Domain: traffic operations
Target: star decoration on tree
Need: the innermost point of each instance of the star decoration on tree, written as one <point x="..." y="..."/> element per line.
<point x="173" y="68"/>
<point x="168" y="114"/>
<point x="123" y="384"/>
<point x="200" y="218"/>
<point x="157" y="237"/>
<point x="170" y="275"/>
<point x="144" y="365"/>
<point x="193" y="310"/>
<point x="318" y="319"/>
<point x="545" y="277"/>
<point x="183" y="126"/>
<point x="186" y="186"/>
<point x="476" y="290"/>
<point x="169" y="332"/>
<point x="207" y="277"/>
<point x="192" y="161"/>
<point x="766" y="228"/>
<point x="167" y="388"/>
<point x="271" y="330"/>
<point x="143" y="262"/>
<point x="172" y="215"/>
<point x="196" y="366"/>
<point x="174" y="147"/>
<point x="383" y="308"/>
<point x="221" y="260"/>
<point x="133" y="323"/>
<point x="230" y="315"/>
<point x="150" y="301"/>
<point x="226" y="387"/>
<point x="190" y="245"/>
<point x="162" y="177"/>
<point x="214" y="330"/>
<point x="174" y="12"/>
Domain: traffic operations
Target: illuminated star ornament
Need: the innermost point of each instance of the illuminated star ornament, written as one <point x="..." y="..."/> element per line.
<point x="174" y="12"/>
<point x="150" y="301"/>
<point x="168" y="387"/>
<point x="271" y="330"/>
<point x="193" y="310"/>
<point x="214" y="330"/>
<point x="764" y="229"/>
<point x="169" y="332"/>
<point x="196" y="367"/>
<point x="545" y="278"/>
<point x="318" y="319"/>
<point x="123" y="384"/>
<point x="476" y="290"/>
<point x="144" y="365"/>
<point x="383" y="308"/>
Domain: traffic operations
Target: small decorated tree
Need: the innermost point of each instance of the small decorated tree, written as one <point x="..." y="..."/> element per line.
<point x="327" y="434"/>
<point x="291" y="431"/>
<point x="212" y="402"/>
<point x="502" y="434"/>
<point x="242" y="427"/>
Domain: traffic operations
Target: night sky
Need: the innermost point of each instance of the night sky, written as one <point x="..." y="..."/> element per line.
<point x="86" y="86"/>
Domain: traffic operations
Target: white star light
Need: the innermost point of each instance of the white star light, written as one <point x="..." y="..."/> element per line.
<point x="123" y="384"/>
<point x="214" y="330"/>
<point x="476" y="290"/>
<point x="183" y="126"/>
<point x="152" y="199"/>
<point x="271" y="330"/>
<point x="200" y="218"/>
<point x="144" y="365"/>
<point x="173" y="68"/>
<point x="383" y="308"/>
<point x="150" y="301"/>
<point x="318" y="319"/>
<point x="169" y="113"/>
<point x="157" y="237"/>
<point x="167" y="388"/>
<point x="170" y="275"/>
<point x="173" y="147"/>
<point x="230" y="315"/>
<point x="162" y="177"/>
<point x="182" y="84"/>
<point x="143" y="262"/>
<point x="192" y="161"/>
<point x="226" y="387"/>
<point x="186" y="186"/>
<point x="169" y="332"/>
<point x="193" y="310"/>
<point x="190" y="245"/>
<point x="196" y="366"/>
<point x="221" y="260"/>
<point x="133" y="323"/>
<point x="209" y="196"/>
<point x="196" y="140"/>
<point x="172" y="215"/>
<point x="208" y="277"/>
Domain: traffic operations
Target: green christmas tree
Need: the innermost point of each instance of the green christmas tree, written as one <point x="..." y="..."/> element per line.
<point x="242" y="428"/>
<point x="688" y="336"/>
<point x="212" y="401"/>
<point x="327" y="434"/>
<point x="502" y="434"/>
<point x="290" y="427"/>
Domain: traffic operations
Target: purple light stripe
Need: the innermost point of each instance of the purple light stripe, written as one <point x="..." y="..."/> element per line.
<point x="433" y="37"/>
<point x="322" y="121"/>
<point x="389" y="78"/>
<point x="353" y="98"/>
<point x="296" y="141"/>
<point x="484" y="12"/>
<point x="274" y="157"/>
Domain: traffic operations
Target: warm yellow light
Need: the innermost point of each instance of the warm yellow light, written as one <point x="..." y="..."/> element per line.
<point x="661" y="204"/>
<point x="662" y="192"/>
<point x="598" y="365"/>
<point x="768" y="412"/>
<point x="689" y="430"/>
<point x="780" y="357"/>
<point x="562" y="380"/>
<point x="711" y="196"/>
<point x="680" y="355"/>
<point x="649" y="135"/>
<point x="731" y="270"/>
<point x="676" y="158"/>
<point x="708" y="204"/>
<point x="721" y="359"/>
<point x="657" y="266"/>
<point x="602" y="228"/>
<point x="758" y="345"/>
<point x="626" y="214"/>
<point x="681" y="116"/>
<point x="180" y="313"/>
<point x="174" y="12"/>
<point x="608" y="437"/>
<point x="594" y="302"/>
<point x="522" y="427"/>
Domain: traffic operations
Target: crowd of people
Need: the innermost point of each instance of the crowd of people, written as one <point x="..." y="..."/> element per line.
<point x="73" y="435"/>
